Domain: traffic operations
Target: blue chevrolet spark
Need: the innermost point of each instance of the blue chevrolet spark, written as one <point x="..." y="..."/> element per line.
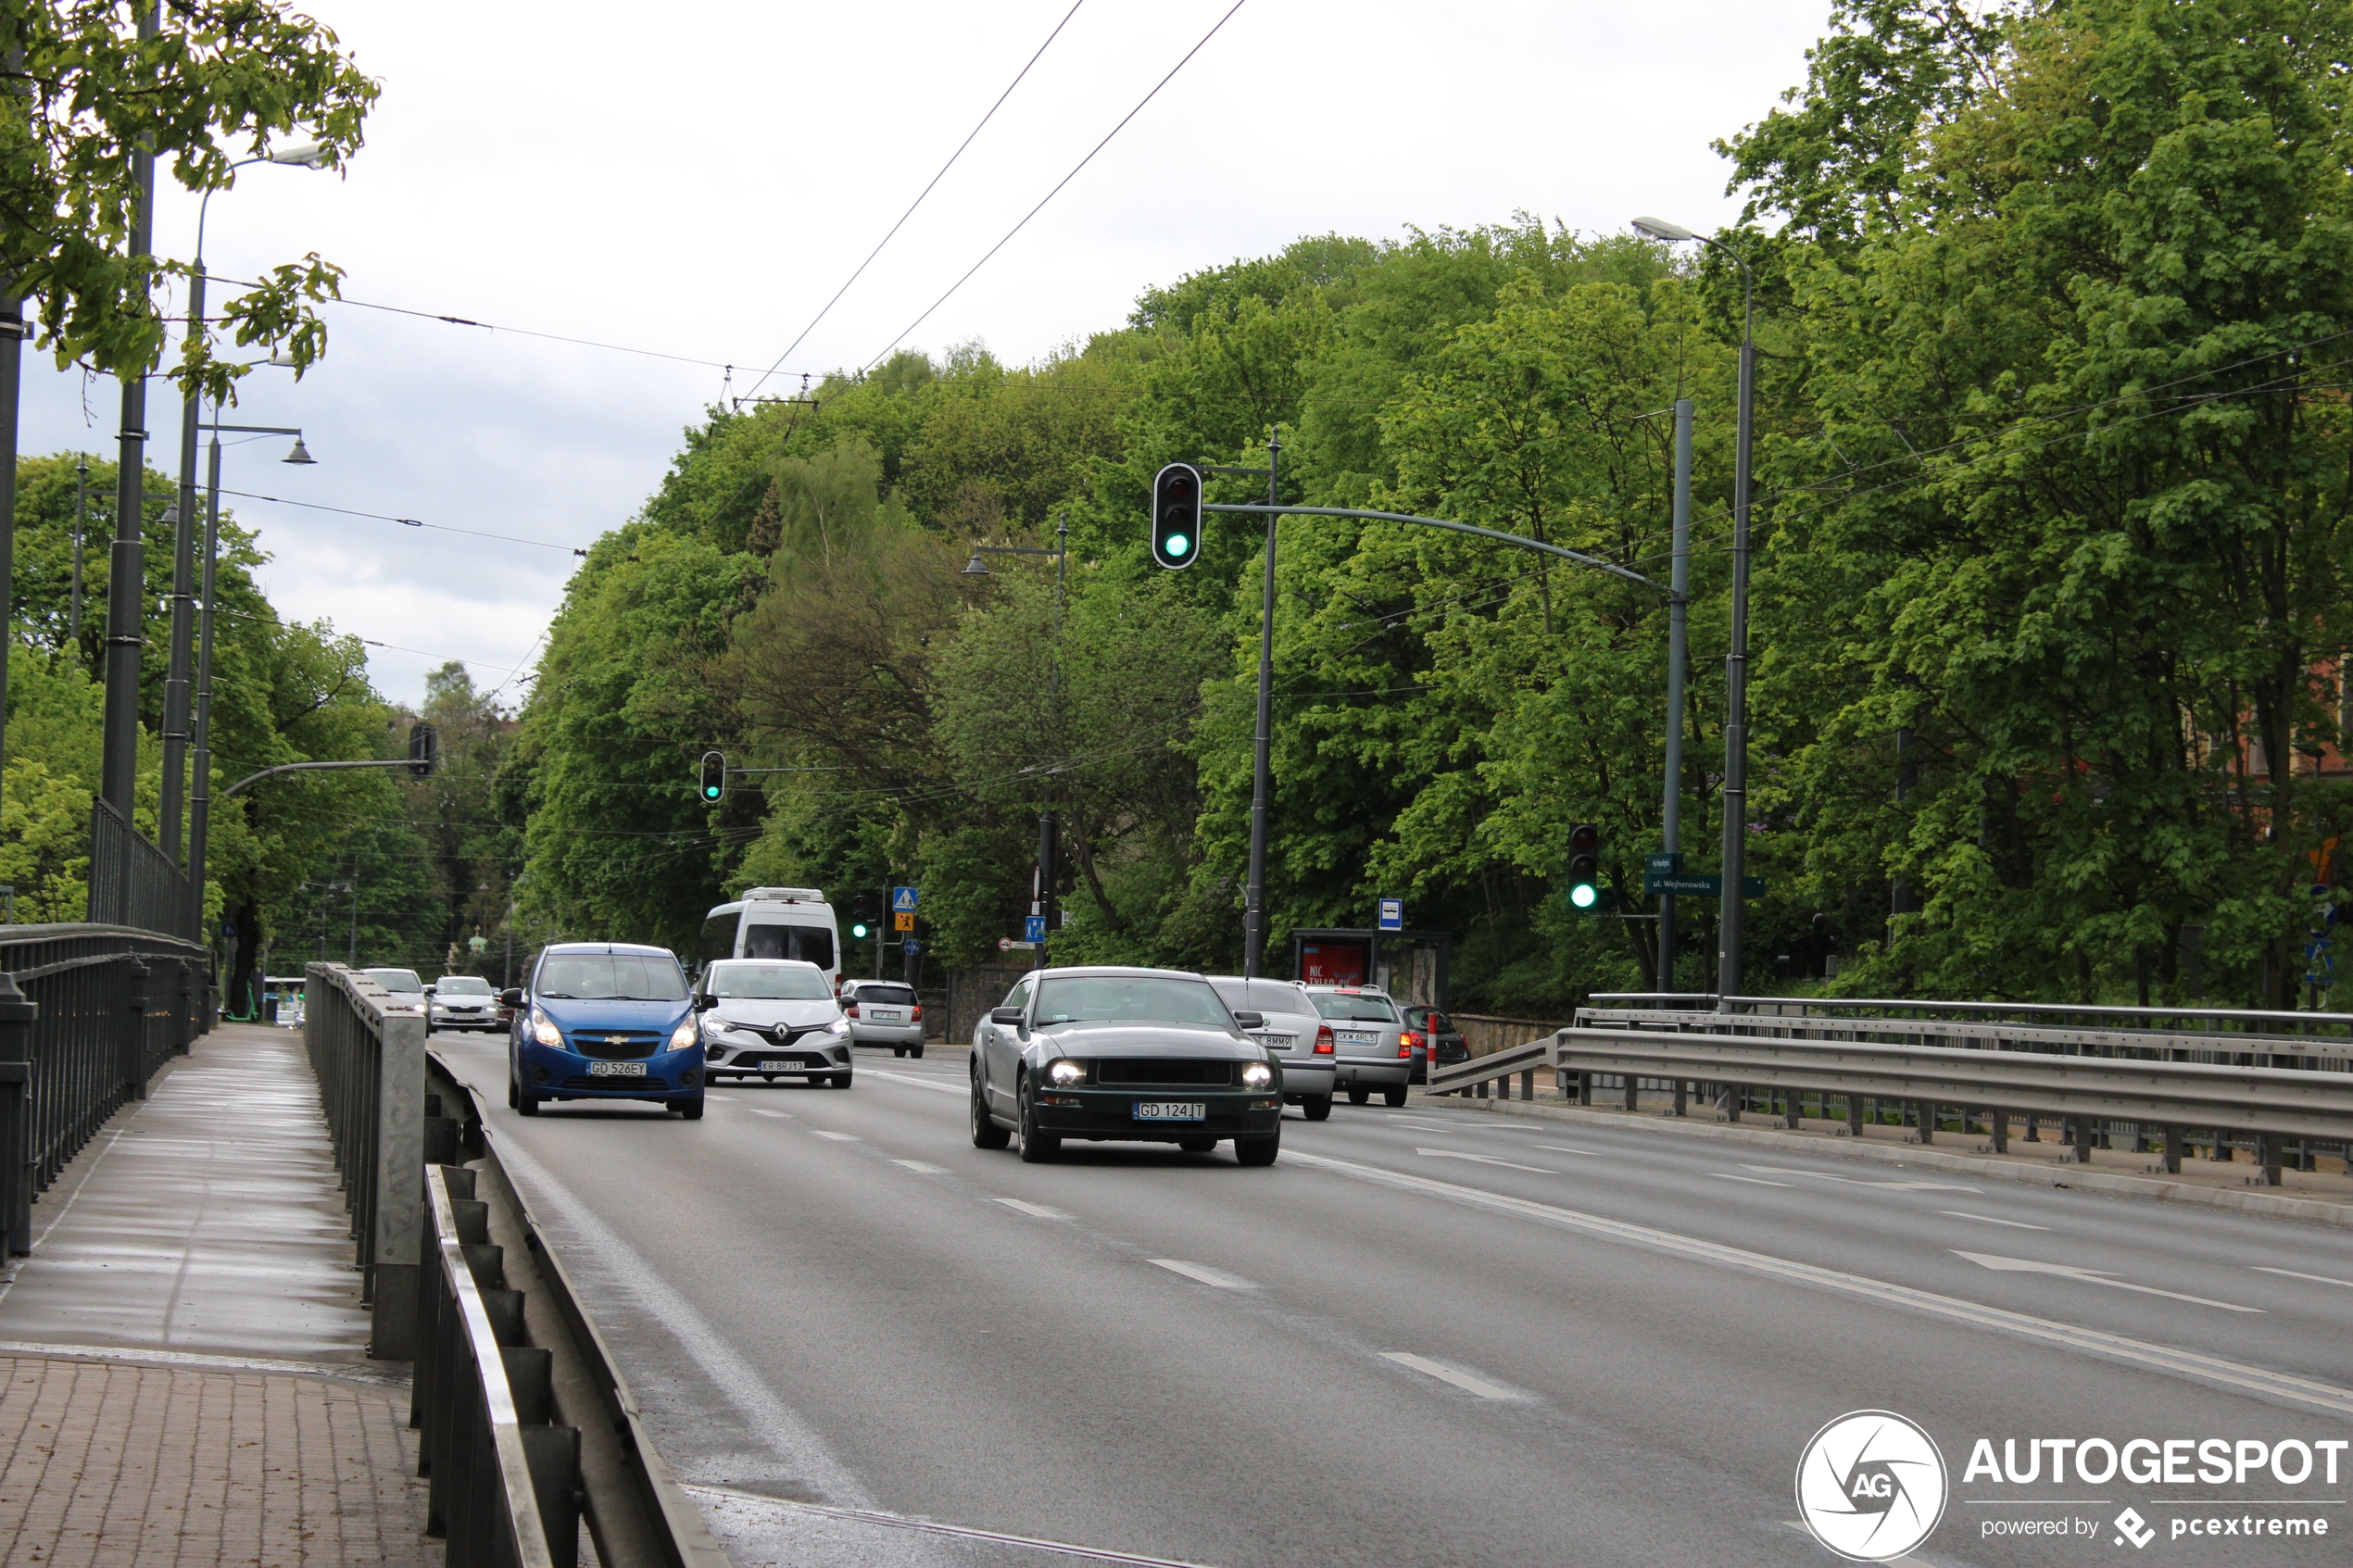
<point x="605" y="1020"/>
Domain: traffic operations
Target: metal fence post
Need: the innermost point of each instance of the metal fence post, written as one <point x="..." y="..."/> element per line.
<point x="17" y="1014"/>
<point x="2173" y="1151"/>
<point x="134" y="1027"/>
<point x="399" y="1183"/>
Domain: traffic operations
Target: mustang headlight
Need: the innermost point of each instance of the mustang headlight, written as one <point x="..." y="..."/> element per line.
<point x="1257" y="1075"/>
<point x="1066" y="1072"/>
<point x="544" y="1030"/>
<point x="682" y="1037"/>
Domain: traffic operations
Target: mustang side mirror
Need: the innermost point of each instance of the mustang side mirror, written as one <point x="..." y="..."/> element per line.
<point x="511" y="996"/>
<point x="1249" y="1020"/>
<point x="1009" y="1017"/>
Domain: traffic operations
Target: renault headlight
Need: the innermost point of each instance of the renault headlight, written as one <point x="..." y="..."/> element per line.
<point x="714" y="1025"/>
<point x="1065" y="1072"/>
<point x="682" y="1037"/>
<point x="544" y="1030"/>
<point x="1257" y="1075"/>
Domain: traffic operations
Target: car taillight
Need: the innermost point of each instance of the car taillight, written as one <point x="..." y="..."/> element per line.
<point x="917" y="1016"/>
<point x="850" y="1010"/>
<point x="1411" y="1040"/>
<point x="1323" y="1039"/>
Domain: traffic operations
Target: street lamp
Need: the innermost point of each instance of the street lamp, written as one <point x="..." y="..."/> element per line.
<point x="1049" y="829"/>
<point x="306" y="154"/>
<point x="200" y="796"/>
<point x="1728" y="961"/>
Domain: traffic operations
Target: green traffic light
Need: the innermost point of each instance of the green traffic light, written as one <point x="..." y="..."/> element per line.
<point x="1584" y="894"/>
<point x="858" y="931"/>
<point x="1178" y="544"/>
<point x="710" y="792"/>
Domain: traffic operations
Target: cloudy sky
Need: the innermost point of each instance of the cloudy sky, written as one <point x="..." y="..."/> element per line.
<point x="697" y="179"/>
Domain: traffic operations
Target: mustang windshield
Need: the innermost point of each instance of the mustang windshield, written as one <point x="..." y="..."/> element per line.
<point x="1120" y="998"/>
<point x="768" y="982"/>
<point x="611" y="977"/>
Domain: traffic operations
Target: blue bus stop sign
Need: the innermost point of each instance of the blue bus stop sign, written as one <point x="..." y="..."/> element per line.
<point x="1392" y="914"/>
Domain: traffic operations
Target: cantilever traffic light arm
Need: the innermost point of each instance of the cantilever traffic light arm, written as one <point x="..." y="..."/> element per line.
<point x="301" y="768"/>
<point x="1495" y="533"/>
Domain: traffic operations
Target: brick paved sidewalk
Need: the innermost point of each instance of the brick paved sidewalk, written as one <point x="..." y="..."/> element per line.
<point x="106" y="1463"/>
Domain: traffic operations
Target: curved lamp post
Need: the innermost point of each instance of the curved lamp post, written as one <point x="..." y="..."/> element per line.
<point x="1728" y="963"/>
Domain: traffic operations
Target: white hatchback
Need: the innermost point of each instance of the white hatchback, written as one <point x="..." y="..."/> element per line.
<point x="771" y="1018"/>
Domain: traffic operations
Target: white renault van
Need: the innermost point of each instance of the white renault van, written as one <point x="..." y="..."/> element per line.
<point x="775" y="923"/>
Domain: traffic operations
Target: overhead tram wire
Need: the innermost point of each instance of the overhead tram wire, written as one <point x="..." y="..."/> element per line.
<point x="918" y="201"/>
<point x="1065" y="179"/>
<point x="406" y="521"/>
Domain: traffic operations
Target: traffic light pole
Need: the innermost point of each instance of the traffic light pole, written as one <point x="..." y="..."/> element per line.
<point x="1677" y="651"/>
<point x="1261" y="780"/>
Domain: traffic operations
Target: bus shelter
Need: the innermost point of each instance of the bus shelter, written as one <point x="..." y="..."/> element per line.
<point x="1409" y="965"/>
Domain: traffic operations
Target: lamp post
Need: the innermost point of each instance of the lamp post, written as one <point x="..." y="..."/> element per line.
<point x="1049" y="828"/>
<point x="200" y="796"/>
<point x="175" y="684"/>
<point x="1728" y="961"/>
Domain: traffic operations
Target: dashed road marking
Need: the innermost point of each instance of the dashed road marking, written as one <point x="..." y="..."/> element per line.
<point x="1034" y="1210"/>
<point x="1462" y="1380"/>
<point x="2089" y="1277"/>
<point x="1564" y="1148"/>
<point x="1898" y="1183"/>
<point x="1483" y="1159"/>
<point x="1222" y="1280"/>
<point x="837" y="1138"/>
<point x="1753" y="1181"/>
<point x="780" y="1115"/>
<point x="921" y="1169"/>
<point x="919" y="1083"/>
<point x="2317" y="1279"/>
<point x="1988" y="1219"/>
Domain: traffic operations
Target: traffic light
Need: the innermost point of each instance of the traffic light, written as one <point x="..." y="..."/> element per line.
<point x="1584" y="866"/>
<point x="862" y="916"/>
<point x="714" y="775"/>
<point x="425" y="750"/>
<point x="1177" y="515"/>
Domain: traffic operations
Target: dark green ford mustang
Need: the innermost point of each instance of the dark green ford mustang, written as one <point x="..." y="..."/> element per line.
<point x="1142" y="1054"/>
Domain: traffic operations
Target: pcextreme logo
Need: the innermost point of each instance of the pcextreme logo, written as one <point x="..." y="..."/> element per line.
<point x="1871" y="1485"/>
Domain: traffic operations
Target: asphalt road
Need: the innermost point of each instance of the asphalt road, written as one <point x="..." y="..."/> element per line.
<point x="1424" y="1337"/>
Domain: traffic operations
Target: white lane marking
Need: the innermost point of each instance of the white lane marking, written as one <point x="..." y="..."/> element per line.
<point x="779" y="1115"/>
<point x="2090" y="1276"/>
<point x="1753" y="1181"/>
<point x="1483" y="1159"/>
<point x="1465" y="1124"/>
<point x="1035" y="1210"/>
<point x="921" y="1169"/>
<point x="1462" y="1380"/>
<point x="2261" y="1381"/>
<point x="919" y="1083"/>
<point x="2316" y="1279"/>
<point x="1222" y="1280"/>
<point x="724" y="1099"/>
<point x="1867" y="1181"/>
<point x="1990" y="1220"/>
<point x="1564" y="1148"/>
<point x="729" y="1495"/>
<point x="836" y="1137"/>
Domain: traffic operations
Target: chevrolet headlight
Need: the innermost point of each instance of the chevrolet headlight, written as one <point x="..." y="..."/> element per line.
<point x="1066" y="1072"/>
<point x="682" y="1037"/>
<point x="1257" y="1075"/>
<point x="544" y="1030"/>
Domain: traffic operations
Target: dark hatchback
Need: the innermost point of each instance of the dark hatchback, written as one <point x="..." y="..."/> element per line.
<point x="605" y="1020"/>
<point x="1429" y="1035"/>
<point x="1129" y="1054"/>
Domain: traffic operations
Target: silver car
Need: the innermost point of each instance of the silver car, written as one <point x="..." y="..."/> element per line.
<point x="462" y="1001"/>
<point x="771" y="1018"/>
<point x="883" y="1012"/>
<point x="1293" y="1034"/>
<point x="1369" y="1033"/>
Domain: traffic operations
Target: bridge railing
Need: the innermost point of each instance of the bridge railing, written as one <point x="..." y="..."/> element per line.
<point x="95" y="1009"/>
<point x="132" y="882"/>
<point x="369" y="1052"/>
<point x="503" y="1478"/>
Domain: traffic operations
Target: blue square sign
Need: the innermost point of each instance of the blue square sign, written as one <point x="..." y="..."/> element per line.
<point x="902" y="901"/>
<point x="1033" y="929"/>
<point x="1392" y="914"/>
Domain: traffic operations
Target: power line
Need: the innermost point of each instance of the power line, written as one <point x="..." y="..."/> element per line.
<point x="406" y="521"/>
<point x="1065" y="179"/>
<point x="919" y="200"/>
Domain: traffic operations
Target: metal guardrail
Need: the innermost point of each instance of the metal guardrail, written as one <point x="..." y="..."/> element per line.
<point x="369" y="1053"/>
<point x="504" y="1478"/>
<point x="2222" y="1020"/>
<point x="132" y="882"/>
<point x="91" y="1013"/>
<point x="2177" y="1045"/>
